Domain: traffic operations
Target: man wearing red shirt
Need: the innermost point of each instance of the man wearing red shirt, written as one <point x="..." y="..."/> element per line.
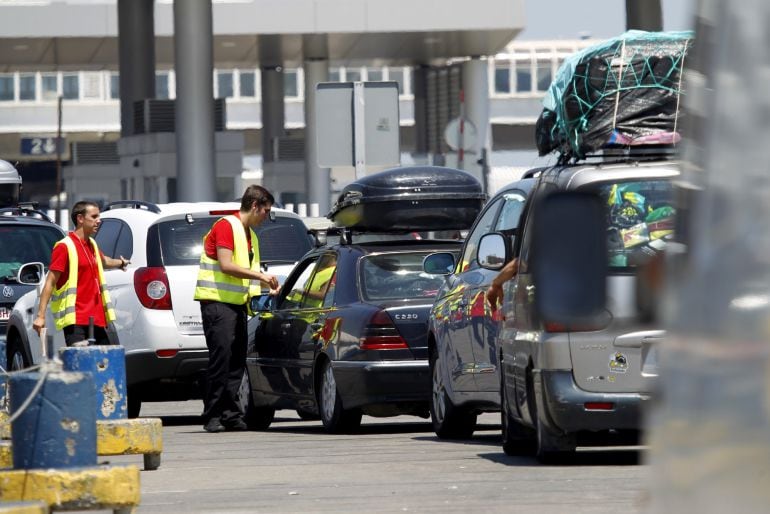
<point x="90" y="299"/>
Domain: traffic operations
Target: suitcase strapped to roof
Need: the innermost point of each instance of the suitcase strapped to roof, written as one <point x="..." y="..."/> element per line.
<point x="415" y="198"/>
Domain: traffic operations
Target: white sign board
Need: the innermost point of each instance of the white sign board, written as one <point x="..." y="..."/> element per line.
<point x="358" y="124"/>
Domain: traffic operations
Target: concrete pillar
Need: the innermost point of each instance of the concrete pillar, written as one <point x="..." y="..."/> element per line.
<point x="317" y="179"/>
<point x="644" y="15"/>
<point x="272" y="108"/>
<point x="476" y="92"/>
<point x="420" y="91"/>
<point x="194" y="58"/>
<point x="136" y="54"/>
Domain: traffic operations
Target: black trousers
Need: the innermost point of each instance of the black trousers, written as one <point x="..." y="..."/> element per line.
<point x="225" y="328"/>
<point x="75" y="333"/>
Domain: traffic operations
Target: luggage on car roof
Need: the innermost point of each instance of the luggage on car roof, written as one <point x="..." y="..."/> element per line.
<point x="409" y="199"/>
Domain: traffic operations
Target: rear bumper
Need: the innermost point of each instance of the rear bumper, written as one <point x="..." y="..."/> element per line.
<point x="374" y="382"/>
<point x="561" y="404"/>
<point x="185" y="367"/>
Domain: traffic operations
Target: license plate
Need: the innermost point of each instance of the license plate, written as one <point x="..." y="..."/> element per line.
<point x="5" y="313"/>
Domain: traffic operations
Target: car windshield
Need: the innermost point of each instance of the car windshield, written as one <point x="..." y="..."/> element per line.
<point x="640" y="219"/>
<point x="284" y="240"/>
<point x="394" y="276"/>
<point x="23" y="244"/>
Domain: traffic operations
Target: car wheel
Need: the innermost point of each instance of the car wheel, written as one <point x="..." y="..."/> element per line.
<point x="551" y="447"/>
<point x="517" y="439"/>
<point x="257" y="418"/>
<point x="449" y="422"/>
<point x="335" y="419"/>
<point x="134" y="403"/>
<point x="17" y="360"/>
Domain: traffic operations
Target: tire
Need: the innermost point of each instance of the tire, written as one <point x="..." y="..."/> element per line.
<point x="551" y="447"/>
<point x="256" y="417"/>
<point x="517" y="439"/>
<point x="449" y="422"/>
<point x="336" y="420"/>
<point x="134" y="403"/>
<point x="17" y="357"/>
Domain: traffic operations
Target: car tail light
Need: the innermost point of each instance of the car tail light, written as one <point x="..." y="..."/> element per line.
<point x="599" y="405"/>
<point x="151" y="286"/>
<point x="166" y="354"/>
<point x="551" y="326"/>
<point x="224" y="212"/>
<point x="381" y="334"/>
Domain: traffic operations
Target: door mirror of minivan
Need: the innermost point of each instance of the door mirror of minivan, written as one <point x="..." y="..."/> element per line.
<point x="31" y="274"/>
<point x="493" y="251"/>
<point x="568" y="258"/>
<point x="441" y="263"/>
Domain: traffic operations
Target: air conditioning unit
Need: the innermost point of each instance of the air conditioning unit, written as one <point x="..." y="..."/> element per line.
<point x="97" y="152"/>
<point x="153" y="115"/>
<point x="288" y="148"/>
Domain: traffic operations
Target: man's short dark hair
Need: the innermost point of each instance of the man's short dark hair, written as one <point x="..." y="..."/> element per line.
<point x="80" y="208"/>
<point x="257" y="194"/>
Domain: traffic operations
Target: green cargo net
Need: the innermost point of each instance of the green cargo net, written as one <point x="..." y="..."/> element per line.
<point x="623" y="91"/>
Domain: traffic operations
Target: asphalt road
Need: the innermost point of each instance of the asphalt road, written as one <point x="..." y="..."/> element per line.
<point x="391" y="465"/>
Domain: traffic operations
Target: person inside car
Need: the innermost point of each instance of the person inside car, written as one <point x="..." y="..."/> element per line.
<point x="495" y="290"/>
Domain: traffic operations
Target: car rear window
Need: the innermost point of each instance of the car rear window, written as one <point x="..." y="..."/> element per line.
<point x="284" y="240"/>
<point x="23" y="244"/>
<point x="640" y="219"/>
<point x="397" y="276"/>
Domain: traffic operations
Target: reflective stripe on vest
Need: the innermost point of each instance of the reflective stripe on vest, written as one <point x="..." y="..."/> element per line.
<point x="213" y="284"/>
<point x="64" y="298"/>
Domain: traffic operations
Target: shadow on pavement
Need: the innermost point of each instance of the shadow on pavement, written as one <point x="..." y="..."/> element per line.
<point x="583" y="457"/>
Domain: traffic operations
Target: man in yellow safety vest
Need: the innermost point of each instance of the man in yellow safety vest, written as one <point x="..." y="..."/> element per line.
<point x="228" y="276"/>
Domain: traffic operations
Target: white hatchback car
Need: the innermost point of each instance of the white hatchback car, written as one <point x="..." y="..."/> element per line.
<point x="158" y="322"/>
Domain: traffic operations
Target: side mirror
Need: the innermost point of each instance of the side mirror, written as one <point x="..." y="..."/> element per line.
<point x="31" y="274"/>
<point x="261" y="303"/>
<point x="569" y="258"/>
<point x="493" y="251"/>
<point x="441" y="263"/>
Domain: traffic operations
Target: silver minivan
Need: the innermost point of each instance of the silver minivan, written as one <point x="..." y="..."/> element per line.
<point x="560" y="382"/>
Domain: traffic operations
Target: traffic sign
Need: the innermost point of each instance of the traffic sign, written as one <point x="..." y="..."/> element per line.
<point x="42" y="146"/>
<point x="460" y="133"/>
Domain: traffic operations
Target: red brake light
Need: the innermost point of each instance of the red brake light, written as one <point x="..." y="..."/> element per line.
<point x="599" y="405"/>
<point x="381" y="334"/>
<point x="151" y="287"/>
<point x="224" y="212"/>
<point x="165" y="354"/>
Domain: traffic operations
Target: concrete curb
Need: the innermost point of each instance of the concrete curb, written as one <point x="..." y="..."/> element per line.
<point x="31" y="507"/>
<point x="6" y="455"/>
<point x="98" y="487"/>
<point x="131" y="436"/>
<point x="5" y="427"/>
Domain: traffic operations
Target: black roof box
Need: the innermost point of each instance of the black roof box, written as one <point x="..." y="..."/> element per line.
<point x="410" y="198"/>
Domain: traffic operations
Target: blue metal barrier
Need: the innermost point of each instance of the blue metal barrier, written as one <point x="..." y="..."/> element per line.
<point x="107" y="364"/>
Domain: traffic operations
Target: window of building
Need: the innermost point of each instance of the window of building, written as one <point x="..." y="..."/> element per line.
<point x="7" y="89"/>
<point x="70" y="86"/>
<point x="502" y="78"/>
<point x="334" y="75"/>
<point x="247" y="81"/>
<point x="224" y="84"/>
<point x="374" y="75"/>
<point x="353" y="74"/>
<point x="397" y="74"/>
<point x="92" y="85"/>
<point x="115" y="86"/>
<point x="49" y="87"/>
<point x="523" y="77"/>
<point x="290" y="83"/>
<point x="543" y="76"/>
<point x="27" y="87"/>
<point x="161" y="85"/>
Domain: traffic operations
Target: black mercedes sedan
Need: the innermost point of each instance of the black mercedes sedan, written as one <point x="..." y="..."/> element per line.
<point x="346" y="336"/>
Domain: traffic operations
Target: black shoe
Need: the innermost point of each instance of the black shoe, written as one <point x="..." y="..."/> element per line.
<point x="214" y="425"/>
<point x="236" y="425"/>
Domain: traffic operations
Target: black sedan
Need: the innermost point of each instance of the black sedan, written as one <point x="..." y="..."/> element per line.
<point x="346" y="336"/>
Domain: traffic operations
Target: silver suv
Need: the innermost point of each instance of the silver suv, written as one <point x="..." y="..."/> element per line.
<point x="158" y="322"/>
<point x="558" y="382"/>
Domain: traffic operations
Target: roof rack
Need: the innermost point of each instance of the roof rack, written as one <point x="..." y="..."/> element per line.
<point x="133" y="204"/>
<point x="26" y="209"/>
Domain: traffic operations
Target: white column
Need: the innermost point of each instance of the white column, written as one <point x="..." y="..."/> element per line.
<point x="194" y="57"/>
<point x="476" y="88"/>
<point x="317" y="179"/>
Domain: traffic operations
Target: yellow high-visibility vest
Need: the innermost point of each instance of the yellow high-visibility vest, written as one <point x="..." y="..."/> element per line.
<point x="213" y="284"/>
<point x="63" y="299"/>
